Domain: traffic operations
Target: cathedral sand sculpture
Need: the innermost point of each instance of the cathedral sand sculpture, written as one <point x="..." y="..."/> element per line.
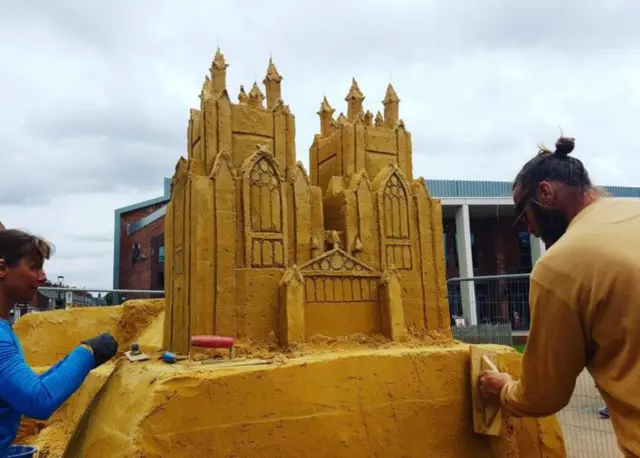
<point x="335" y="276"/>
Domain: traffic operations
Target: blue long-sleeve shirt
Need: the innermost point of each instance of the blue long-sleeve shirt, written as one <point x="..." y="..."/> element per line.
<point x="23" y="392"/>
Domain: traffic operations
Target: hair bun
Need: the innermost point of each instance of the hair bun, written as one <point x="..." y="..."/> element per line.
<point x="564" y="146"/>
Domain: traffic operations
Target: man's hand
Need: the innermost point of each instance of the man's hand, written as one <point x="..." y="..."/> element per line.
<point x="490" y="384"/>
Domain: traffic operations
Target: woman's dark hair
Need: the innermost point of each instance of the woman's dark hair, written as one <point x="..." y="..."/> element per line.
<point x="554" y="166"/>
<point x="16" y="245"/>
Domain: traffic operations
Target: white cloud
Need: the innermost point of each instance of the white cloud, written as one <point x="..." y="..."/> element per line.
<point x="96" y="95"/>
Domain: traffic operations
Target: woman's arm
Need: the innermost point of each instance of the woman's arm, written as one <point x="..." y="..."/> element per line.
<point x="39" y="396"/>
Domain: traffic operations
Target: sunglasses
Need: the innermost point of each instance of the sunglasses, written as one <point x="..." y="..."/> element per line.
<point x="521" y="206"/>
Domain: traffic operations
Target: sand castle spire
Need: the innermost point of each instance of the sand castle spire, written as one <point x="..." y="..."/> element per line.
<point x="218" y="72"/>
<point x="207" y="89"/>
<point x="368" y="118"/>
<point x="243" y="98"/>
<point x="255" y="97"/>
<point x="391" y="104"/>
<point x="326" y="117"/>
<point x="272" y="82"/>
<point x="379" y="120"/>
<point x="354" y="99"/>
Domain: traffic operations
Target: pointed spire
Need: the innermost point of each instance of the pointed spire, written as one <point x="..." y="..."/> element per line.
<point x="218" y="72"/>
<point x="342" y="119"/>
<point x="271" y="83"/>
<point x="379" y="121"/>
<point x="391" y="110"/>
<point x="243" y="98"/>
<point x="219" y="62"/>
<point x="357" y="245"/>
<point x="354" y="92"/>
<point x="368" y="118"/>
<point x="325" y="107"/>
<point x="255" y="96"/>
<point x="326" y="117"/>
<point x="354" y="100"/>
<point x="279" y="106"/>
<point x="272" y="73"/>
<point x="207" y="91"/>
<point x="391" y="95"/>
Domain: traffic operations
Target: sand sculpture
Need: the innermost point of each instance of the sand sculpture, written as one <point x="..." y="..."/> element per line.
<point x="336" y="278"/>
<point x="257" y="247"/>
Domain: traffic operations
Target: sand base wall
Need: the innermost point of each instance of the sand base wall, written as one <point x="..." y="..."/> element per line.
<point x="49" y="336"/>
<point x="345" y="397"/>
<point x="386" y="402"/>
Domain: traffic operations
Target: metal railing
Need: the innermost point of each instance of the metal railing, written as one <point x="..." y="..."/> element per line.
<point x="499" y="299"/>
<point x="102" y="296"/>
<point x="484" y="334"/>
<point x="586" y="435"/>
<point x="52" y="298"/>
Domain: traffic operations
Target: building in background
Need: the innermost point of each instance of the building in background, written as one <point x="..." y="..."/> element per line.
<point x="481" y="238"/>
<point x="138" y="253"/>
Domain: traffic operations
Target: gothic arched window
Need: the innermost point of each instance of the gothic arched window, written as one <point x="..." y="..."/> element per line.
<point x="264" y="214"/>
<point x="395" y="217"/>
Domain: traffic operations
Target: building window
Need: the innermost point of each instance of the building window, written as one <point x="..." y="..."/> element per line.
<point x="524" y="250"/>
<point x="160" y="255"/>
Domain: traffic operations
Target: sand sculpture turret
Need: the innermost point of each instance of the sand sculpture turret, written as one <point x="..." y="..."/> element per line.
<point x="257" y="248"/>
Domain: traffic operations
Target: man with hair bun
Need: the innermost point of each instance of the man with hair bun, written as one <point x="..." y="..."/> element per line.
<point x="584" y="296"/>
<point x="22" y="391"/>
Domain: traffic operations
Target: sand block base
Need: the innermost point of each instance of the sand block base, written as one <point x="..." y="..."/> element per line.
<point x="48" y="337"/>
<point x="392" y="402"/>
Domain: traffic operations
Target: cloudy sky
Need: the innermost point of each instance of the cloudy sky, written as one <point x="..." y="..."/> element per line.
<point x="96" y="95"/>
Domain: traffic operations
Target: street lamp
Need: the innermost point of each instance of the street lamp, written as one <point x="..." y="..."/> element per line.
<point x="60" y="280"/>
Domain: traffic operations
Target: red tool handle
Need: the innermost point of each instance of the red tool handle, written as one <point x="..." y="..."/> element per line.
<point x="212" y="341"/>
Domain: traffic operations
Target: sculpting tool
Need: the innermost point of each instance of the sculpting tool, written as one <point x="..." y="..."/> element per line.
<point x="171" y="358"/>
<point x="487" y="419"/>
<point x="237" y="362"/>
<point x="214" y="342"/>
<point x="135" y="354"/>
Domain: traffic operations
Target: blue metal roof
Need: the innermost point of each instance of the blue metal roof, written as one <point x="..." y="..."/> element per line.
<point x="464" y="188"/>
<point x="458" y="188"/>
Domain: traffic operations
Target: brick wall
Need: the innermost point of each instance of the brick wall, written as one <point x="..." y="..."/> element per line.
<point x="139" y="275"/>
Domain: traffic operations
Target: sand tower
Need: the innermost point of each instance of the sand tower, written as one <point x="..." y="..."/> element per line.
<point x="258" y="248"/>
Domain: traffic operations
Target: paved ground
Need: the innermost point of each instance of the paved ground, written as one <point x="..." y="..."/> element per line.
<point x="585" y="433"/>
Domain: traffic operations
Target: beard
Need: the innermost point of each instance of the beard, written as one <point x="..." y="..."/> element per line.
<point x="550" y="224"/>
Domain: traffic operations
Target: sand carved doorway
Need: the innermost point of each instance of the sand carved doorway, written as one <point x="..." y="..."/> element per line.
<point x="341" y="296"/>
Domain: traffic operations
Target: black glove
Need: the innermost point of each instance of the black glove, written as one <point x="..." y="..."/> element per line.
<point x="104" y="348"/>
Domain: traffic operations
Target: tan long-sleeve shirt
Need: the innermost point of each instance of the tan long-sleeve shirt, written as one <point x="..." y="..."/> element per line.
<point x="585" y="312"/>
